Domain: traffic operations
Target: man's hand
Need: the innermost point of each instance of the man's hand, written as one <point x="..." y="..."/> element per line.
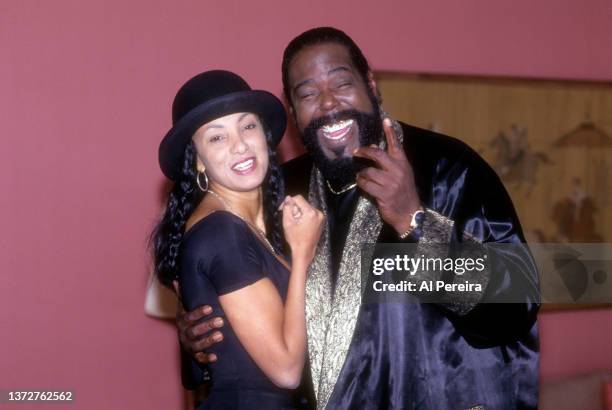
<point x="391" y="182"/>
<point x="195" y="334"/>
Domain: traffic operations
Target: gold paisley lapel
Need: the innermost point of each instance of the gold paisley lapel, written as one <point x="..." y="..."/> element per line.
<point x="331" y="319"/>
<point x="318" y="287"/>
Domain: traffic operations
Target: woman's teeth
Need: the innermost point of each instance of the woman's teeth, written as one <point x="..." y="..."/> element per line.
<point x="244" y="165"/>
<point x="337" y="130"/>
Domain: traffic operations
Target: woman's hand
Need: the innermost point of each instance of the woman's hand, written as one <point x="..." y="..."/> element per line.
<point x="303" y="225"/>
<point x="273" y="331"/>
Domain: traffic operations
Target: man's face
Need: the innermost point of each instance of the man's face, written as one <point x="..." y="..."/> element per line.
<point x="325" y="87"/>
<point x="335" y="110"/>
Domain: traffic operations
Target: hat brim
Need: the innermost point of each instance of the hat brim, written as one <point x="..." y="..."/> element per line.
<point x="267" y="106"/>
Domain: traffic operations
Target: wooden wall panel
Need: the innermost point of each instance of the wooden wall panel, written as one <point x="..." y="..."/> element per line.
<point x="560" y="187"/>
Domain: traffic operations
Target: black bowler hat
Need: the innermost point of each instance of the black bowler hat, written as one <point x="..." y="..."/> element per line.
<point x="208" y="96"/>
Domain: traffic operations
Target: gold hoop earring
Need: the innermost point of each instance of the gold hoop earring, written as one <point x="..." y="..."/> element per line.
<point x="205" y="180"/>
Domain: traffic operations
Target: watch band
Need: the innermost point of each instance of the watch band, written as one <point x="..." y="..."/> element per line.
<point x="416" y="224"/>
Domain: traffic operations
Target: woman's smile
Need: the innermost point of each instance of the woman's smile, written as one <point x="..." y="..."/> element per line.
<point x="246" y="166"/>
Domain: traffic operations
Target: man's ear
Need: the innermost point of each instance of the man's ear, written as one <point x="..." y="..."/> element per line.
<point x="289" y="105"/>
<point x="291" y="110"/>
<point x="374" y="87"/>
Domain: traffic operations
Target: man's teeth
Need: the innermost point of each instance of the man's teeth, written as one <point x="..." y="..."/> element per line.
<point x="241" y="166"/>
<point x="337" y="126"/>
<point x="337" y="131"/>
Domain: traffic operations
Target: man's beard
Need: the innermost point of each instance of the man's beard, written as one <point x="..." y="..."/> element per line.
<point x="341" y="171"/>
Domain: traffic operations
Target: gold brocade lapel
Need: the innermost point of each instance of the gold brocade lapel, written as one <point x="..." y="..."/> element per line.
<point x="318" y="288"/>
<point x="331" y="319"/>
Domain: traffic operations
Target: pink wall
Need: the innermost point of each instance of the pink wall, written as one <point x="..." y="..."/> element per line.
<point x="85" y="93"/>
<point x="575" y="342"/>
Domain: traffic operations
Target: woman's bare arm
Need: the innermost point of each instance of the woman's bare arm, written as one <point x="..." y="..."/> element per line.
<point x="274" y="334"/>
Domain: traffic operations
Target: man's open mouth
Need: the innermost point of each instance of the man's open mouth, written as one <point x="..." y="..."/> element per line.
<point x="337" y="130"/>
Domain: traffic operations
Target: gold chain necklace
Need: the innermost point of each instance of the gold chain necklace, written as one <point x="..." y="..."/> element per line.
<point x="343" y="190"/>
<point x="228" y="208"/>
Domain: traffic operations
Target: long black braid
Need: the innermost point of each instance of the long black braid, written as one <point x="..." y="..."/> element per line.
<point x="166" y="238"/>
<point x="274" y="193"/>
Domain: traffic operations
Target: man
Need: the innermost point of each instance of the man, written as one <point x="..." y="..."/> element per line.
<point x="384" y="181"/>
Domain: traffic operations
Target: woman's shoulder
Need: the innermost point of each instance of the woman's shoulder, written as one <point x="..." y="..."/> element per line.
<point x="218" y="227"/>
<point x="221" y="247"/>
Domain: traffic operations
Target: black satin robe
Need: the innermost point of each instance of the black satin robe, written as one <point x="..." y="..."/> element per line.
<point x="422" y="356"/>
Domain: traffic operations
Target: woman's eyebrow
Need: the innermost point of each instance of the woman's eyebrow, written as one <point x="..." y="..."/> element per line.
<point x="210" y="126"/>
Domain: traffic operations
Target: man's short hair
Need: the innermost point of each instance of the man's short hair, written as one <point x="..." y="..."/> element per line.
<point x="321" y="35"/>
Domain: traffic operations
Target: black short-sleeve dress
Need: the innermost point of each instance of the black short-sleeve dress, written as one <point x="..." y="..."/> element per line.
<point x="218" y="255"/>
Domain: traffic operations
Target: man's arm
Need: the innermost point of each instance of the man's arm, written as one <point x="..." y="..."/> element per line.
<point x="475" y="208"/>
<point x="485" y="214"/>
<point x="197" y="332"/>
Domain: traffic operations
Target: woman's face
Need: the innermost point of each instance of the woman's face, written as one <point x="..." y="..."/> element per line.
<point x="233" y="151"/>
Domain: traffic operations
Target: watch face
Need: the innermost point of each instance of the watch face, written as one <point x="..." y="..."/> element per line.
<point x="417" y="218"/>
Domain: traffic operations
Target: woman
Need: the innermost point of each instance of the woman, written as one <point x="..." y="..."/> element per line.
<point x="221" y="237"/>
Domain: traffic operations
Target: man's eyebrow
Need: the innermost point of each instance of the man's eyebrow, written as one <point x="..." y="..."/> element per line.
<point x="338" y="69"/>
<point x="310" y="80"/>
<point x="302" y="83"/>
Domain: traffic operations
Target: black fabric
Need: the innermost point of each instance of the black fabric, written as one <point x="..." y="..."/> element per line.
<point x="341" y="208"/>
<point x="221" y="249"/>
<point x="248" y="399"/>
<point x="297" y="175"/>
<point x="218" y="255"/>
<point x="420" y="356"/>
